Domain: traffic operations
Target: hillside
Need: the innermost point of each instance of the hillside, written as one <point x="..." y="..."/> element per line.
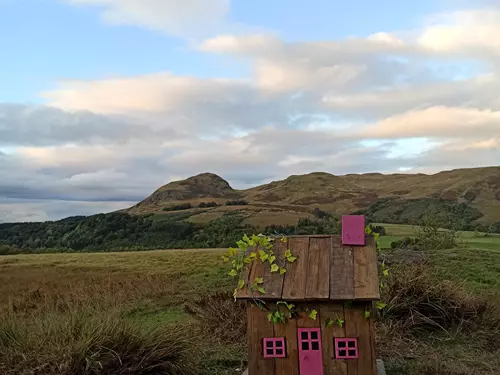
<point x="472" y="194"/>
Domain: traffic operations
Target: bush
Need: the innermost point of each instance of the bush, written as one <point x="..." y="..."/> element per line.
<point x="178" y="207"/>
<point x="419" y="304"/>
<point x="207" y="204"/>
<point x="89" y="344"/>
<point x="431" y="236"/>
<point x="220" y="316"/>
<point x="405" y="243"/>
<point x="240" y="202"/>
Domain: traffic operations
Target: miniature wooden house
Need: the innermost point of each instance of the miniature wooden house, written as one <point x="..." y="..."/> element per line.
<point x="333" y="284"/>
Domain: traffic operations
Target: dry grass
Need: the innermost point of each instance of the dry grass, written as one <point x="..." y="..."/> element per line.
<point x="433" y="326"/>
<point x="222" y="318"/>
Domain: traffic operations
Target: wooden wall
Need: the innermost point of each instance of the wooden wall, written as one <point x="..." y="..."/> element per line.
<point x="355" y="326"/>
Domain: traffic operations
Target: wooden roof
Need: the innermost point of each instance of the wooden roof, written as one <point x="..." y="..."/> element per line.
<point x="324" y="270"/>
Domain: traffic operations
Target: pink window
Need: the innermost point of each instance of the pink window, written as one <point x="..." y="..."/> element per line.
<point x="274" y="347"/>
<point x="346" y="348"/>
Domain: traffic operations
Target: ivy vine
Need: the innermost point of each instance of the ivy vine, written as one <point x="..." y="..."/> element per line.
<point x="260" y="247"/>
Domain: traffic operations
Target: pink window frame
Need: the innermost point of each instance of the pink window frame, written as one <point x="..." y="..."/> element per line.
<point x="274" y="340"/>
<point x="346" y="348"/>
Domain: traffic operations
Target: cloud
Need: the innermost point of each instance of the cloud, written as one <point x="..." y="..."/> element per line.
<point x="186" y="17"/>
<point x="464" y="31"/>
<point x="374" y="104"/>
<point x="438" y="122"/>
<point x="42" y="126"/>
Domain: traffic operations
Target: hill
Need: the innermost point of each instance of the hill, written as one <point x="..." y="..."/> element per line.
<point x="472" y="194"/>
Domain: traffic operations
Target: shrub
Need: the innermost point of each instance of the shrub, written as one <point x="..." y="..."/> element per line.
<point x="420" y="304"/>
<point x="220" y="316"/>
<point x="207" y="204"/>
<point x="178" y="207"/>
<point x="240" y="202"/>
<point x="431" y="236"/>
<point x="90" y="344"/>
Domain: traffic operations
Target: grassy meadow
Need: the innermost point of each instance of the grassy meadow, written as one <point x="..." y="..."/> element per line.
<point x="148" y="296"/>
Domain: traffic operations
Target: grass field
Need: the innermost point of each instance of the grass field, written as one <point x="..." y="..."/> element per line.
<point x="470" y="239"/>
<point x="150" y="289"/>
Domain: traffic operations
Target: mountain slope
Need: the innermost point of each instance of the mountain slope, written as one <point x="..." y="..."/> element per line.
<point x="477" y="189"/>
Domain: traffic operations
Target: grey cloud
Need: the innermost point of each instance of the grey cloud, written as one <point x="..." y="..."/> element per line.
<point x="47" y="126"/>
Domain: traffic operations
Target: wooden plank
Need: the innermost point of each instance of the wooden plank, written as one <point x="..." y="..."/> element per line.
<point x="273" y="281"/>
<point x="290" y="364"/>
<point x="294" y="287"/>
<point x="331" y="365"/>
<point x="372" y="339"/>
<point x="303" y="319"/>
<point x="341" y="271"/>
<point x="366" y="282"/>
<point x="318" y="270"/>
<point x="245" y="292"/>
<point x="358" y="326"/>
<point x="258" y="328"/>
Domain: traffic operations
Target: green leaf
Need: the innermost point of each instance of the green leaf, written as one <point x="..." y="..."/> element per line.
<point x="329" y="322"/>
<point x="379" y="305"/>
<point x="313" y="315"/>
<point x="261" y="290"/>
<point x="382" y="285"/>
<point x="340" y="322"/>
<point x="291" y="259"/>
<point x="233" y="273"/>
<point x="263" y="255"/>
<point x="272" y="259"/>
<point x="241" y="284"/>
<point x="259" y="280"/>
<point x="368" y="230"/>
<point x="386" y="272"/>
<point x="245" y="238"/>
<point x="282" y="270"/>
<point x="232" y="251"/>
<point x="376" y="235"/>
<point x="235" y="292"/>
<point x="284" y="239"/>
<point x="253" y="255"/>
<point x="270" y="316"/>
<point x="225" y="258"/>
<point x="288" y="253"/>
<point x="367" y="314"/>
<point x="275" y="268"/>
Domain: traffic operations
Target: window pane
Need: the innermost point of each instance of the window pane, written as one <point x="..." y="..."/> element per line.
<point x="351" y="344"/>
<point x="352" y="353"/>
<point x="341" y="344"/>
<point x="315" y="345"/>
<point x="314" y="335"/>
<point x="342" y="353"/>
<point x="269" y="344"/>
<point x="304" y="336"/>
<point x="279" y="351"/>
<point x="305" y="345"/>
<point x="279" y="344"/>
<point x="269" y="352"/>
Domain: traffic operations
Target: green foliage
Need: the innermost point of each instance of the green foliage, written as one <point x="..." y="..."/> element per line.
<point x="412" y="211"/>
<point x="207" y="204"/>
<point x="431" y="236"/>
<point x="239" y="202"/>
<point x="178" y="207"/>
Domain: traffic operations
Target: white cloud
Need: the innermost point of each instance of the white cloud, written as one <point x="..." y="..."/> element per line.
<point x="463" y="31"/>
<point x="171" y="16"/>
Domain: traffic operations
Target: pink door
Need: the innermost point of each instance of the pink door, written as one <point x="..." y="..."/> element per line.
<point x="310" y="352"/>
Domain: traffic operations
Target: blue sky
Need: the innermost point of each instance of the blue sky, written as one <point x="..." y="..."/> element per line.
<point x="102" y="101"/>
<point x="48" y="40"/>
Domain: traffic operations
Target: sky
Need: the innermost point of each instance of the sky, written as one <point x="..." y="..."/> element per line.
<point x="104" y="101"/>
